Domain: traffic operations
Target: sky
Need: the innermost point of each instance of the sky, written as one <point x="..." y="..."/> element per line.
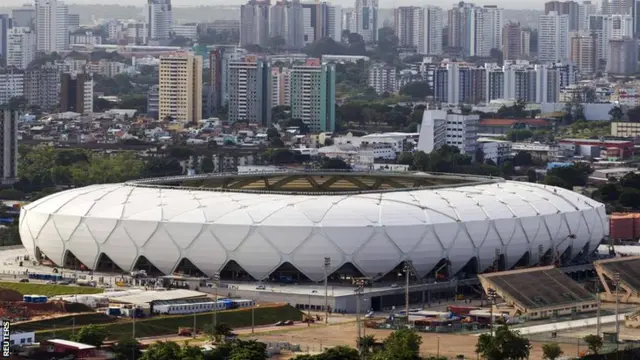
<point x="522" y="4"/>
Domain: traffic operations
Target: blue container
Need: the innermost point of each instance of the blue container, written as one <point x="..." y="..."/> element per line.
<point x="27" y="299"/>
<point x="114" y="312"/>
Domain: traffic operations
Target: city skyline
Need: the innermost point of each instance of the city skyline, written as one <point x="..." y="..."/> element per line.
<point x="384" y="4"/>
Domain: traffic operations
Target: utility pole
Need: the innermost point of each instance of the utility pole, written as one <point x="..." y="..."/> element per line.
<point x="407" y="274"/>
<point x="327" y="263"/>
<point x="491" y="295"/>
<point x="194" y="325"/>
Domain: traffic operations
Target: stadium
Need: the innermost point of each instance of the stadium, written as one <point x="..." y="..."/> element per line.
<point x="281" y="226"/>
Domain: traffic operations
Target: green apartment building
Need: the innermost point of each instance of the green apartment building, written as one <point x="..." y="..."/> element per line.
<point x="313" y="94"/>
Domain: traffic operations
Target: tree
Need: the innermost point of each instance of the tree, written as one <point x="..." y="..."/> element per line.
<point x="220" y="331"/>
<point x="162" y="351"/>
<point x="610" y="192"/>
<point x="551" y="351"/>
<point x="334" y="164"/>
<point x="630" y="197"/>
<point x="522" y="158"/>
<point x="594" y="343"/>
<point x="127" y="349"/>
<point x="616" y="113"/>
<point x="367" y="342"/>
<point x="334" y="353"/>
<point x="504" y="344"/>
<point x="406" y="158"/>
<point x="555" y="181"/>
<point x="90" y="335"/>
<point x="403" y="344"/>
<point x="418" y="90"/>
<point x="206" y="165"/>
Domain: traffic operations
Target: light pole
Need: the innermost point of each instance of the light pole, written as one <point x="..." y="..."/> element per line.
<point x="309" y="311"/>
<point x="327" y="263"/>
<point x="359" y="283"/>
<point x="407" y="273"/>
<point x="491" y="295"/>
<point x="216" y="282"/>
<point x="616" y="279"/>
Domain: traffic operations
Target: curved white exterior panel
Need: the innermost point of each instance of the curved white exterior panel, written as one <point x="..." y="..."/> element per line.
<point x="373" y="231"/>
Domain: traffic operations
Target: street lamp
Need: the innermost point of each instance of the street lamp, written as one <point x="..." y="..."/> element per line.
<point x="407" y="273"/>
<point x="491" y="295"/>
<point x="216" y="282"/>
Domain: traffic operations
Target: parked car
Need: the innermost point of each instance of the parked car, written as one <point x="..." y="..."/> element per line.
<point x="24" y="280"/>
<point x="261" y="287"/>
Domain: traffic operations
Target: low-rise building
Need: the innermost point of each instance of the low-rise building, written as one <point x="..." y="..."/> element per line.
<point x="495" y="150"/>
<point x="625" y="129"/>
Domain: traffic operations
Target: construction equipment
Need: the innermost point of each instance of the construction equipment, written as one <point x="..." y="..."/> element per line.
<point x="557" y="258"/>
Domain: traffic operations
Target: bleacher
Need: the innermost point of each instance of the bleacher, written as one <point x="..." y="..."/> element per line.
<point x="536" y="288"/>
<point x="628" y="268"/>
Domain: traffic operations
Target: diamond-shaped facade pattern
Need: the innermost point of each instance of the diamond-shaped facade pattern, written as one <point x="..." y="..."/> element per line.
<point x="262" y="231"/>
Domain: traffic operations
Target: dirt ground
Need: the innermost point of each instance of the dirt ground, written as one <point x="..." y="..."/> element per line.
<point x="313" y="339"/>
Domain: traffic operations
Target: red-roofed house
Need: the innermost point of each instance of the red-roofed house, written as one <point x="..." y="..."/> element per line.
<point x="503" y="126"/>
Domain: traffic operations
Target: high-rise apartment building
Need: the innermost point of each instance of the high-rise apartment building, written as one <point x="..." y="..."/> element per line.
<point x="11" y="84"/>
<point x="9" y="145"/>
<point x="349" y="21"/>
<point x="216" y="68"/>
<point x="21" y="47"/>
<point x="609" y="27"/>
<point x="158" y="18"/>
<point x="313" y="95"/>
<point x="319" y="20"/>
<point x="249" y="81"/>
<point x="526" y="42"/>
<point x="254" y="23"/>
<point x="5" y="25"/>
<point x="583" y="52"/>
<point x="73" y="22"/>
<point x="496" y="21"/>
<point x="617" y="7"/>
<point x="569" y="8"/>
<point x="42" y="86"/>
<point x="585" y="10"/>
<point x="623" y="57"/>
<point x="76" y="93"/>
<point x="52" y="31"/>
<point x="366" y="20"/>
<point x="419" y="27"/>
<point x="24" y="17"/>
<point x="553" y="37"/>
<point x="180" y="87"/>
<point x="475" y="30"/>
<point x="280" y="87"/>
<point x="286" y="21"/>
<point x="382" y="78"/>
<point x="512" y="41"/>
<point x="456" y="83"/>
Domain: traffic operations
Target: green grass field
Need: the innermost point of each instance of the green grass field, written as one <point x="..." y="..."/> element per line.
<point x="64" y="322"/>
<point x="48" y="290"/>
<point x="168" y="325"/>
